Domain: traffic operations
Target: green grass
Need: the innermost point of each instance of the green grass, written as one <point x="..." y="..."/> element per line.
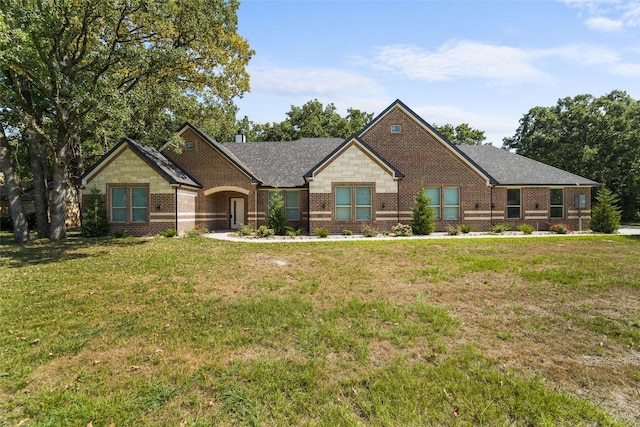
<point x="420" y="332"/>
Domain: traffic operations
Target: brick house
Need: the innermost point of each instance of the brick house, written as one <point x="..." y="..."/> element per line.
<point x="369" y="179"/>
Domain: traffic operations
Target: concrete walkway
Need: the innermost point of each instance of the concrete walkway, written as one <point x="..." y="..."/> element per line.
<point x="232" y="236"/>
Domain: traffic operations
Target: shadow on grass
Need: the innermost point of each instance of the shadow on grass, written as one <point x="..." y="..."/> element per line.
<point x="43" y="251"/>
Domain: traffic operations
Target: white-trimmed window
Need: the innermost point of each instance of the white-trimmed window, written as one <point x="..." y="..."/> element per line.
<point x="292" y="205"/>
<point x="556" y="203"/>
<point x="396" y="128"/>
<point x="451" y="203"/>
<point x="514" y="203"/>
<point x="433" y="193"/>
<point x="129" y="204"/>
<point x="343" y="203"/>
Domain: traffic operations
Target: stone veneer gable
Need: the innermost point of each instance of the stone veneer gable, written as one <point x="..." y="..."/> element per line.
<point x="353" y="165"/>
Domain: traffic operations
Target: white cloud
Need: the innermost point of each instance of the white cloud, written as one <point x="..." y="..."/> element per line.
<point x="604" y="25"/>
<point x="314" y="82"/>
<point x="466" y="59"/>
<point x="608" y="15"/>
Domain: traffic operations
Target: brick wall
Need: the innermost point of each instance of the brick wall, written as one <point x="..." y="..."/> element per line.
<point x="219" y="178"/>
<point x="353" y="167"/>
<point x="424" y="160"/>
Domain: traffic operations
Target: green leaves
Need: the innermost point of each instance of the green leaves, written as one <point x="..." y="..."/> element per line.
<point x="312" y="120"/>
<point x="598" y="138"/>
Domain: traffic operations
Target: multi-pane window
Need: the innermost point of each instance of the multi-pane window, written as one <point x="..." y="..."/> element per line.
<point x="138" y="204"/>
<point x="129" y="204"/>
<point x="348" y="197"/>
<point x="434" y="194"/>
<point x="513" y="203"/>
<point x="119" y="204"/>
<point x="292" y="205"/>
<point x="363" y="203"/>
<point x="343" y="203"/>
<point x="556" y="203"/>
<point x="451" y="203"/>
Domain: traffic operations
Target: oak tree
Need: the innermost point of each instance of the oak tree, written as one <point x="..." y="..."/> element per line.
<point x="80" y="73"/>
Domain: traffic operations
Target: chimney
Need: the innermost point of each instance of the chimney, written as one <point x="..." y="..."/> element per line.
<point x="240" y="137"/>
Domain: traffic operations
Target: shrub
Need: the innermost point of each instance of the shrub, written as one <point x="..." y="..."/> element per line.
<point x="466" y="228"/>
<point x="560" y="229"/>
<point x="169" y="232"/>
<point x="264" y="231"/>
<point x="501" y="227"/>
<point x="276" y="217"/>
<point x="347" y="232"/>
<point x="423" y="220"/>
<point x="245" y="230"/>
<point x="605" y="215"/>
<point x="526" y="229"/>
<point x="119" y="234"/>
<point x="321" y="232"/>
<point x="95" y="223"/>
<point x="197" y="231"/>
<point x="402" y="230"/>
<point x="369" y="232"/>
<point x="293" y="232"/>
<point x="453" y="231"/>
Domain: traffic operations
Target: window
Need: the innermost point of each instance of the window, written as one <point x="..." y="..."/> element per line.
<point x="451" y="203"/>
<point x="556" y="203"/>
<point x="138" y="204"/>
<point x="363" y="203"/>
<point x="292" y="205"/>
<point x="396" y="128"/>
<point x="129" y="204"/>
<point x="358" y="196"/>
<point x="434" y="194"/>
<point x="189" y="145"/>
<point x="343" y="203"/>
<point x="513" y="203"/>
<point x="118" y="204"/>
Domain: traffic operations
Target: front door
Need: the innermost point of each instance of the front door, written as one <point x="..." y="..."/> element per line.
<point x="237" y="212"/>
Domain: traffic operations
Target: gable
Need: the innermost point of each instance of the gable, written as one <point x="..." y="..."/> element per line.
<point x="353" y="163"/>
<point x="124" y="166"/>
<point x="419" y="150"/>
<point x="207" y="160"/>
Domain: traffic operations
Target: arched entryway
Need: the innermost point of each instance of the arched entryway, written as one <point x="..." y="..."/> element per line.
<point x="226" y="207"/>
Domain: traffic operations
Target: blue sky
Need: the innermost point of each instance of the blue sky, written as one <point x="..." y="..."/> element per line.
<point x="485" y="63"/>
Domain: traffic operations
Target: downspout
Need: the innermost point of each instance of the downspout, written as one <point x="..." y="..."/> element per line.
<point x="176" y="204"/>
<point x="398" y="201"/>
<point x="491" y="206"/>
<point x="308" y="209"/>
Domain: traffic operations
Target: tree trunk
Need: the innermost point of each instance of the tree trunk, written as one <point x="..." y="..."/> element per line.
<point x="59" y="187"/>
<point x="38" y="156"/>
<point x="20" y="226"/>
